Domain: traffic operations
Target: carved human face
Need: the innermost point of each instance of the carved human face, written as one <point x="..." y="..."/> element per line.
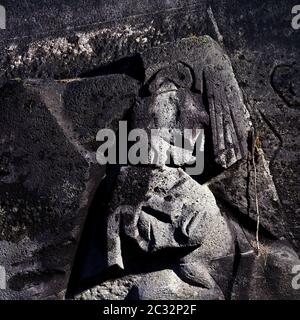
<point x="174" y="105"/>
<point x="162" y="224"/>
<point x="174" y="212"/>
<point x="173" y="110"/>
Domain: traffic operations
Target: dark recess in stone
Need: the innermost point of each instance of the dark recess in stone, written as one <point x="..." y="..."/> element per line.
<point x="131" y="66"/>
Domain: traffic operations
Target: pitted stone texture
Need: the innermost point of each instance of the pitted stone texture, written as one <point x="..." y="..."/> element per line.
<point x="166" y="285"/>
<point x="181" y="92"/>
<point x="48" y="176"/>
<point x="116" y="289"/>
<point x="236" y="189"/>
<point x="68" y="39"/>
<point x="286" y="82"/>
<point x="166" y="208"/>
<point x="44" y="192"/>
<point x="268" y="275"/>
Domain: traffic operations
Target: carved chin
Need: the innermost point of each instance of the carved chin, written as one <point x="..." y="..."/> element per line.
<point x="155" y="235"/>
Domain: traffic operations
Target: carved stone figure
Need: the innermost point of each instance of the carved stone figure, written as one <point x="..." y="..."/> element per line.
<point x="172" y="212"/>
<point x="162" y="209"/>
<point x="149" y="231"/>
<point x="158" y="232"/>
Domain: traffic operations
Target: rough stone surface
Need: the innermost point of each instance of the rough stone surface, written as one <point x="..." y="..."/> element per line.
<point x="268" y="276"/>
<point x="168" y="209"/>
<point x="44" y="184"/>
<point x="110" y="289"/>
<point x="95" y="63"/>
<point x="49" y="175"/>
<point x="167" y="285"/>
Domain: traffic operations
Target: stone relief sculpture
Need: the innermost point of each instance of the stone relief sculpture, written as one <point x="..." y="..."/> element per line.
<point x="159" y="233"/>
<point x="161" y="210"/>
<point x="175" y="211"/>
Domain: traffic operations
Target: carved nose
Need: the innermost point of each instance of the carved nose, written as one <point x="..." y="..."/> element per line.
<point x="186" y="225"/>
<point x="190" y="225"/>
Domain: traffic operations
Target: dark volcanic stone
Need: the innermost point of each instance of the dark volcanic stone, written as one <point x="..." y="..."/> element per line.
<point x="45" y="185"/>
<point x="47" y="169"/>
<point x="48" y="175"/>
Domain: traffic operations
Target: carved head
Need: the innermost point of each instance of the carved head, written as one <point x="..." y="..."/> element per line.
<point x="173" y="211"/>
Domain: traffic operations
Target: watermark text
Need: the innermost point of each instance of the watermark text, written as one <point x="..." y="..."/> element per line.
<point x="296" y="17"/>
<point x="158" y="147"/>
<point x="2" y="278"/>
<point x="296" y="278"/>
<point x="2" y="18"/>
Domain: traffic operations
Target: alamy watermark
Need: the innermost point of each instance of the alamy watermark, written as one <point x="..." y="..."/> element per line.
<point x="2" y="18"/>
<point x="296" y="17"/>
<point x="296" y="278"/>
<point x="2" y="278"/>
<point x="182" y="147"/>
